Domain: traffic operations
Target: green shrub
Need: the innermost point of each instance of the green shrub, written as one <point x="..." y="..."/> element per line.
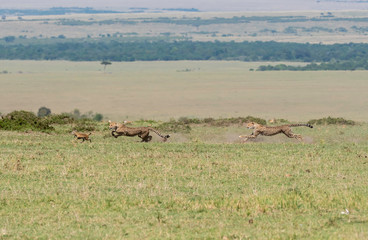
<point x="98" y="117"/>
<point x="186" y="120"/>
<point x="43" y="112"/>
<point x="331" y="121"/>
<point x="24" y="120"/>
<point x="76" y="114"/>
<point x="208" y="120"/>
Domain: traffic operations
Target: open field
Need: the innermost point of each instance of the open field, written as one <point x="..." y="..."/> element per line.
<point x="164" y="90"/>
<point x="313" y="26"/>
<point x="201" y="184"/>
<point x="193" y="186"/>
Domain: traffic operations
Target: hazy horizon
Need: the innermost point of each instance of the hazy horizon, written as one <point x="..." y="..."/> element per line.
<point x="202" y="5"/>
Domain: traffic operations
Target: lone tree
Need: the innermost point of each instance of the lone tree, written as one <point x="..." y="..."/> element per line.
<point x="105" y="63"/>
<point x="43" y="112"/>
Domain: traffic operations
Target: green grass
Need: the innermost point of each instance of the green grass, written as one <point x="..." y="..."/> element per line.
<point x="199" y="185"/>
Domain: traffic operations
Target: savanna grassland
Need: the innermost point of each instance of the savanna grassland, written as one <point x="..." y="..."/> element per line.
<point x="204" y="184"/>
<point x="314" y="26"/>
<point x="164" y="90"/>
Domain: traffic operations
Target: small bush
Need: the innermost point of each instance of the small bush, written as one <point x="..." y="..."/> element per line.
<point x="23" y="120"/>
<point x="43" y="112"/>
<point x="331" y="121"/>
<point x="98" y="117"/>
<point x="208" y="120"/>
<point x="75" y="114"/>
<point x="186" y="120"/>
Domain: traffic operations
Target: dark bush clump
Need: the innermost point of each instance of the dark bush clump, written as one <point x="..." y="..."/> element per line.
<point x="208" y="120"/>
<point x="331" y="121"/>
<point x="43" y="112"/>
<point x="23" y="121"/>
<point x="186" y="120"/>
<point x="98" y="117"/>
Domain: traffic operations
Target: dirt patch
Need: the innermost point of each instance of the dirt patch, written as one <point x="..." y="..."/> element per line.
<point x="308" y="140"/>
<point x="231" y="137"/>
<point x="278" y="139"/>
<point x="178" y="138"/>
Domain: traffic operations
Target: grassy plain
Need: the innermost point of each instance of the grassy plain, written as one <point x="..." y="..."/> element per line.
<point x="164" y="90"/>
<point x="202" y="185"/>
<point x="309" y="29"/>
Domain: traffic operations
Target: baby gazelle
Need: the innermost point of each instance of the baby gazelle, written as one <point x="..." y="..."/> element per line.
<point x="83" y="136"/>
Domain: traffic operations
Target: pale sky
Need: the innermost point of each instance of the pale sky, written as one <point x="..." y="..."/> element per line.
<point x="203" y="5"/>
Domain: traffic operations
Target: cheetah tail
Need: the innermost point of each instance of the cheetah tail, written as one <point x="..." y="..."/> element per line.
<point x="301" y="124"/>
<point x="158" y="133"/>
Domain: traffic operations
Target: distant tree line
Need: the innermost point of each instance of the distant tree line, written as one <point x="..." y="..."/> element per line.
<point x="336" y="56"/>
<point x="334" y="65"/>
<point x="81" y="50"/>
